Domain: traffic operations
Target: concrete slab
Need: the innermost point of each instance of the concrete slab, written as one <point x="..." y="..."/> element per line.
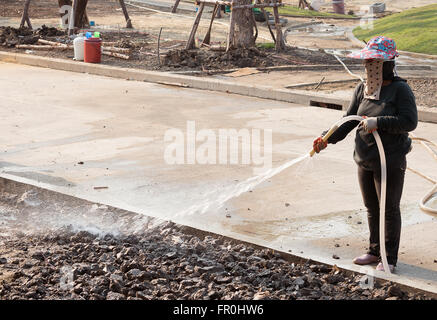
<point x="225" y="86"/>
<point x="53" y="121"/>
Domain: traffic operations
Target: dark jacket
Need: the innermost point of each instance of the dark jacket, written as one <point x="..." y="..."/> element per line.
<point x="397" y="115"/>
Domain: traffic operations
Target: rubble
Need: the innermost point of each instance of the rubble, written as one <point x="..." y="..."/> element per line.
<point x="65" y="265"/>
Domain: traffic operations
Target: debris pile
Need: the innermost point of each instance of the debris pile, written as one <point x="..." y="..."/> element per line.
<point x="45" y="31"/>
<point x="209" y="59"/>
<point x="10" y="37"/>
<point x="166" y="263"/>
<point x="218" y="59"/>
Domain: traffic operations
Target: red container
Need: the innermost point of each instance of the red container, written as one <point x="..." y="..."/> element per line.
<point x="338" y="6"/>
<point x="93" y="50"/>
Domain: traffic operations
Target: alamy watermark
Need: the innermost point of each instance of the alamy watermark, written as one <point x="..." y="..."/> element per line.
<point x="65" y="11"/>
<point x="367" y="281"/>
<point x="66" y="281"/>
<point x="367" y="17"/>
<point x="220" y="146"/>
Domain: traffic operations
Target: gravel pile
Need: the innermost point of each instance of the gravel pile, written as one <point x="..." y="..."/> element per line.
<point x="423" y="90"/>
<point x="166" y="263"/>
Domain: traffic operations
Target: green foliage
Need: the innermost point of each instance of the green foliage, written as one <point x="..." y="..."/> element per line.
<point x="295" y="11"/>
<point x="266" y="45"/>
<point x="414" y="30"/>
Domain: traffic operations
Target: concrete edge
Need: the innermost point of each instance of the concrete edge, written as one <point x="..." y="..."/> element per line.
<point x="306" y="84"/>
<point x="406" y="284"/>
<point x="164" y="8"/>
<point x="319" y="17"/>
<point x="264" y="92"/>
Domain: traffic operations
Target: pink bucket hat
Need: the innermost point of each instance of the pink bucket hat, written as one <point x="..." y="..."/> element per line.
<point x="377" y="48"/>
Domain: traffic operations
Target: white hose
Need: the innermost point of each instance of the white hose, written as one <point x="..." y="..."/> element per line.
<point x="382" y="199"/>
<point x="426" y="198"/>
<point x="347" y="69"/>
<point x="433" y="191"/>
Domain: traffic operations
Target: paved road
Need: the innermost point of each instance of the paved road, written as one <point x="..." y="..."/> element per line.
<point x="73" y="132"/>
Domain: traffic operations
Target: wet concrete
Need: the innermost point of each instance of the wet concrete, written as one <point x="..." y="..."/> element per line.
<point x="74" y="132"/>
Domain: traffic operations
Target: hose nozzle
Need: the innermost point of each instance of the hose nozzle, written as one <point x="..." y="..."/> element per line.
<point x="325" y="138"/>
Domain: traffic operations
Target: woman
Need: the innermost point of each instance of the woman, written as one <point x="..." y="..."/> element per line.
<point x="388" y="105"/>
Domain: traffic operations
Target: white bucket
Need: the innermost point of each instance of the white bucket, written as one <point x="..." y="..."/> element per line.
<point x="316" y="4"/>
<point x="78" y="44"/>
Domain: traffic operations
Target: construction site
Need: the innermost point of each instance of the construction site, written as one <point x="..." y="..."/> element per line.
<point x="164" y="150"/>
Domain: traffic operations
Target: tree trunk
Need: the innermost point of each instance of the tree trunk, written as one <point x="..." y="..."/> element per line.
<point x="175" y="7"/>
<point x="80" y="17"/>
<point x="25" y="17"/>
<point x="244" y="26"/>
<point x="126" y="14"/>
<point x="64" y="2"/>
<point x="279" y="43"/>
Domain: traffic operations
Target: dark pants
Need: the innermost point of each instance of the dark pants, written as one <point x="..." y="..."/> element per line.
<point x="370" y="184"/>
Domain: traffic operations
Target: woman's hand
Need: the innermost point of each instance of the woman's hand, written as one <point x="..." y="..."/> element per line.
<point x="319" y="145"/>
<point x="369" y="124"/>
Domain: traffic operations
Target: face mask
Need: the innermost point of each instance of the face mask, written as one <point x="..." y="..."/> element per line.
<point x="374" y="70"/>
<point x="388" y="70"/>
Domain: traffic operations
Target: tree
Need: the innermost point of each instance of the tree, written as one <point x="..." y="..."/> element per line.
<point x="80" y="16"/>
<point x="242" y="30"/>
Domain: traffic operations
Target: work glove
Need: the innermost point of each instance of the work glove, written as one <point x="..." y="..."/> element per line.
<point x="319" y="144"/>
<point x="369" y="124"/>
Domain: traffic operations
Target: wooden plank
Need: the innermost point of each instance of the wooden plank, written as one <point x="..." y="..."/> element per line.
<point x="25" y="17"/>
<point x="28" y="22"/>
<point x="225" y="3"/>
<point x="43" y="47"/>
<point x="246" y="6"/>
<point x="173" y="10"/>
<point x="230" y="42"/>
<point x="126" y="15"/>
<point x="72" y="18"/>
<point x="53" y="43"/>
<point x="280" y="44"/>
<point x="268" y="24"/>
<point x="190" y="43"/>
<point x="116" y="55"/>
<point x="207" y="38"/>
<point x="258" y="5"/>
<point x="158" y="45"/>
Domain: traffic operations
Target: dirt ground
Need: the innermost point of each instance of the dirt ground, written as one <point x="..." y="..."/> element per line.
<point x="424" y="94"/>
<point x="143" y="47"/>
<point x="143" y="44"/>
<point x="143" y="52"/>
<point x="421" y="88"/>
<point x="49" y="8"/>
